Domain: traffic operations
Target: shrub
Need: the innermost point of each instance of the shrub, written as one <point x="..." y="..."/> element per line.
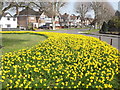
<point x="104" y="28"/>
<point x="30" y="26"/>
<point x="116" y="21"/>
<point x="111" y="25"/>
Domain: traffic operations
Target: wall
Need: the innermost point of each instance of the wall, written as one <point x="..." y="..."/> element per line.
<point x="12" y="23"/>
<point x="22" y="21"/>
<point x="32" y="19"/>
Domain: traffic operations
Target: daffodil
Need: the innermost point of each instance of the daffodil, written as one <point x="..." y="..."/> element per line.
<point x="66" y="60"/>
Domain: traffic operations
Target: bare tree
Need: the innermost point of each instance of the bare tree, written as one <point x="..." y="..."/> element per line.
<point x="15" y="6"/>
<point x="56" y="9"/>
<point x="53" y="8"/>
<point x="96" y="7"/>
<point x="103" y="12"/>
<point x="82" y="8"/>
<point x="1" y="6"/>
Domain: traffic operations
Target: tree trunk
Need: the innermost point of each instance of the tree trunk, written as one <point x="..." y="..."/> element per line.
<point x="96" y="25"/>
<point x="1" y="5"/>
<point x="17" y="13"/>
<point x="17" y="10"/>
<point x="53" y="23"/>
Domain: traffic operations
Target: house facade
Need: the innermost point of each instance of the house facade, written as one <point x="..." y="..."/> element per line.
<point x="74" y="21"/>
<point x="46" y="19"/>
<point x="64" y="19"/>
<point x="28" y="17"/>
<point x="8" y="21"/>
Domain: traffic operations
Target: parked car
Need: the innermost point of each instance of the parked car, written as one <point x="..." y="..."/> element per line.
<point x="22" y="28"/>
<point x="65" y="26"/>
<point x="44" y="27"/>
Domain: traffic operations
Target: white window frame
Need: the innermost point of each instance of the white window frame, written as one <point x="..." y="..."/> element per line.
<point x="7" y="25"/>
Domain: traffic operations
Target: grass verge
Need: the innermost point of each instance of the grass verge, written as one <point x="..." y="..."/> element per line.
<point x="64" y="29"/>
<point x="15" y="42"/>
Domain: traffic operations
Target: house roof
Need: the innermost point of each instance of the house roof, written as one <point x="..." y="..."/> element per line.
<point x="29" y="11"/>
<point x="5" y="14"/>
<point x="64" y="16"/>
<point x="73" y="17"/>
<point x="50" y="14"/>
<point x="117" y="13"/>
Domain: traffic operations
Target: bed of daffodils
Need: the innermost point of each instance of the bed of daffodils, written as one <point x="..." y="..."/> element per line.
<point x="61" y="61"/>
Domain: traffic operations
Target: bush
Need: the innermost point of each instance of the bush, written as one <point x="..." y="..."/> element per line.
<point x="35" y="29"/>
<point x="113" y="25"/>
<point x="116" y="21"/>
<point x="104" y="28"/>
<point x="30" y="26"/>
<point x="61" y="61"/>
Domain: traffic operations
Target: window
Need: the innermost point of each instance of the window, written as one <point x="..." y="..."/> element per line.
<point x="8" y="25"/>
<point x="8" y="18"/>
<point x="32" y="18"/>
<point x="14" y="19"/>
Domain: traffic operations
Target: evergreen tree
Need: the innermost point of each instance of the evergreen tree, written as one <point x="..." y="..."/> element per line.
<point x="117" y="13"/>
<point x="104" y="28"/>
<point x="111" y="25"/>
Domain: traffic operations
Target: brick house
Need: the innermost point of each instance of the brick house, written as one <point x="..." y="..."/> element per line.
<point x="28" y="17"/>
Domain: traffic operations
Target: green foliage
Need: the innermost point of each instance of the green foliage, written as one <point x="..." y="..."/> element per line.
<point x="104" y="28"/>
<point x="117" y="14"/>
<point x="116" y="21"/>
<point x="30" y="26"/>
<point x="113" y="25"/>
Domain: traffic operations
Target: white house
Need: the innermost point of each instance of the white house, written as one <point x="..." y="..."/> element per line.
<point x="8" y="21"/>
<point x="46" y="19"/>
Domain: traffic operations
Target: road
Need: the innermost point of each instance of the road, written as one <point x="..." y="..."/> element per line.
<point x="115" y="38"/>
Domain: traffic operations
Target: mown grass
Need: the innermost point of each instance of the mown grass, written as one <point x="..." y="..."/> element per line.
<point x="15" y="42"/>
<point x="64" y="29"/>
<point x="91" y="31"/>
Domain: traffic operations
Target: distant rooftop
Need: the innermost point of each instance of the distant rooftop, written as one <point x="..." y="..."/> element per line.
<point x="29" y="11"/>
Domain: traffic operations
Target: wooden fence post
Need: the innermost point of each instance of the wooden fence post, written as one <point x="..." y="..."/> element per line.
<point x="111" y="42"/>
<point x="100" y="37"/>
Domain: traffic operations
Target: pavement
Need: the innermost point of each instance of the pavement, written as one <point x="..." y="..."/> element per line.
<point x="110" y="39"/>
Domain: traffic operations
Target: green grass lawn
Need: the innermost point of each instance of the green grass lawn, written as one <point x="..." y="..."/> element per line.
<point x="92" y="30"/>
<point x="15" y="42"/>
<point x="65" y="29"/>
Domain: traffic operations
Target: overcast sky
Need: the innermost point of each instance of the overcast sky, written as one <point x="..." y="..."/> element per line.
<point x="69" y="8"/>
